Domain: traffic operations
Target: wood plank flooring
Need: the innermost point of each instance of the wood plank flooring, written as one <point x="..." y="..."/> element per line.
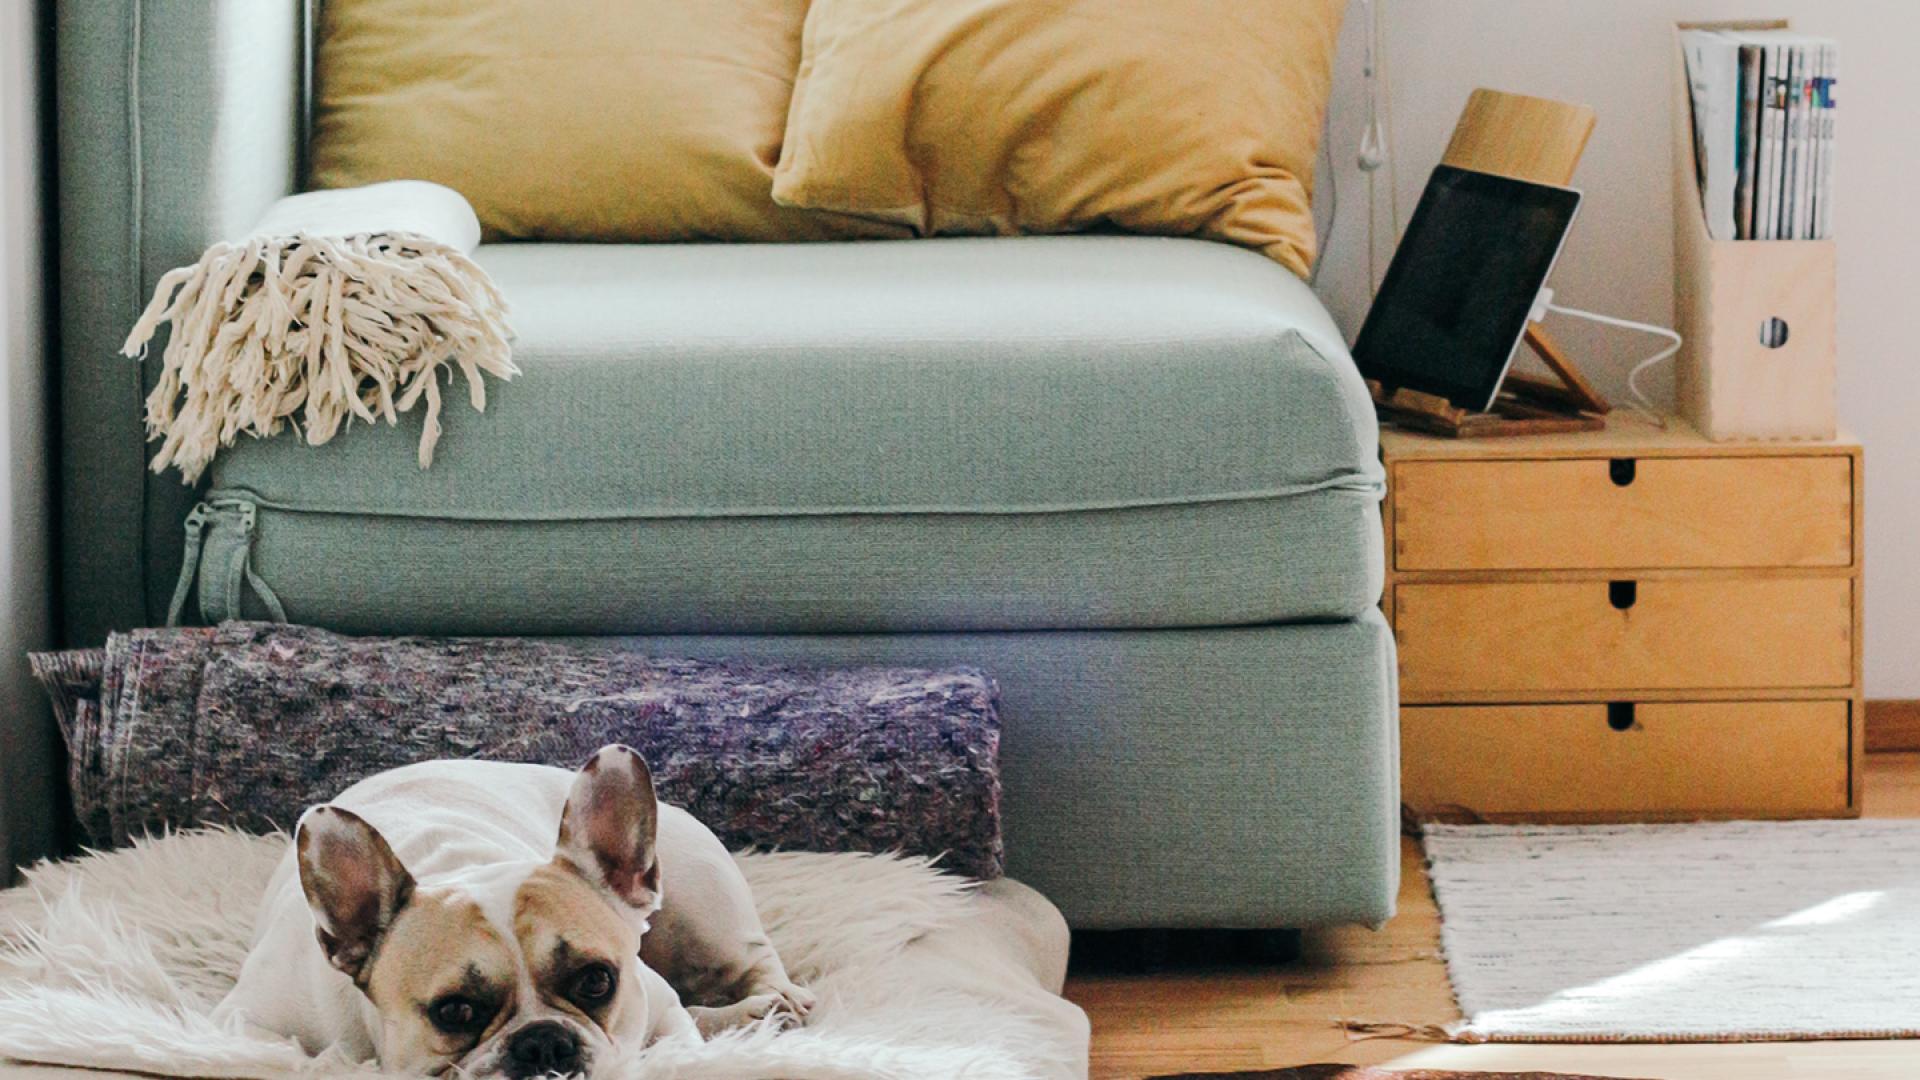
<point x="1249" y="1018"/>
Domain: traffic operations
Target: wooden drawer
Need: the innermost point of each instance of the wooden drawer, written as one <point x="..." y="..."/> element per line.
<point x="1577" y="636"/>
<point x="1761" y="758"/>
<point x="1601" y="513"/>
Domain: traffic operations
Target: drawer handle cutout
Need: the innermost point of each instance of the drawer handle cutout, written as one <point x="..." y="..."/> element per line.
<point x="1620" y="715"/>
<point x="1621" y="471"/>
<point x="1622" y="594"/>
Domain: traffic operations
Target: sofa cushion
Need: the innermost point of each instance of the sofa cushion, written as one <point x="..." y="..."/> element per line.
<point x="962" y="434"/>
<point x="595" y="120"/>
<point x="972" y="117"/>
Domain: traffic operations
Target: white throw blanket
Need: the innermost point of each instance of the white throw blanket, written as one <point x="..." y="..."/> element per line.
<point x="115" y="961"/>
<point x="338" y="304"/>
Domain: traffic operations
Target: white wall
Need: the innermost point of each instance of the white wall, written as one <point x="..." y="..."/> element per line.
<point x="24" y="504"/>
<point x="1616" y="55"/>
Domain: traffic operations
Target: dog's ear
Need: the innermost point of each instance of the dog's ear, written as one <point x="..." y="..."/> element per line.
<point x="608" y="829"/>
<point x="354" y="884"/>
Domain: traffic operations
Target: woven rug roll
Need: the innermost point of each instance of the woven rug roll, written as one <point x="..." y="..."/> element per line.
<point x="249" y="723"/>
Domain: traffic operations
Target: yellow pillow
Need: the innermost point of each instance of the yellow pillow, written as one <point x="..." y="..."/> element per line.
<point x="614" y="120"/>
<point x="1188" y="117"/>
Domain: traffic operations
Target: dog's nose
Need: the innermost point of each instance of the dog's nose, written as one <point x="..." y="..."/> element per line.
<point x="542" y="1049"/>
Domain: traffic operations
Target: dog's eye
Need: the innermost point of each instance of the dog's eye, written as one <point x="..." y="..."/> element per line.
<point x="458" y="1015"/>
<point x="592" y="985"/>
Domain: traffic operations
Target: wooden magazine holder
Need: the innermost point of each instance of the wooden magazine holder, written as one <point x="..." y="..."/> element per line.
<point x="1730" y="381"/>
<point x="1537" y="140"/>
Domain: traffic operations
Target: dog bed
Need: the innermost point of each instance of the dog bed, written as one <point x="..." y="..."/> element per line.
<point x="247" y="724"/>
<point x="115" y="961"/>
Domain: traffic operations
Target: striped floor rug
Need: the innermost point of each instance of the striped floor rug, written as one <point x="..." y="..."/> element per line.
<point x="1739" y="931"/>
<point x="1369" y="1073"/>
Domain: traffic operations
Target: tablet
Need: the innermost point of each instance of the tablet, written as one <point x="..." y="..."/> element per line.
<point x="1455" y="301"/>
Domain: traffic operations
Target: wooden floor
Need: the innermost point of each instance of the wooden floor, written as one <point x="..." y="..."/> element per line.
<point x="1180" y="1021"/>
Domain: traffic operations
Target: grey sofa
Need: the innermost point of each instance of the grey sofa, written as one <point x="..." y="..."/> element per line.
<point x="1133" y="478"/>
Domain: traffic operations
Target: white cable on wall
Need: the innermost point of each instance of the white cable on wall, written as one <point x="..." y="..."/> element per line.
<point x="1375" y="141"/>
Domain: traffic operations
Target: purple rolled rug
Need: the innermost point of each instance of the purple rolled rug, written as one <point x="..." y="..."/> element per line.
<point x="249" y="723"/>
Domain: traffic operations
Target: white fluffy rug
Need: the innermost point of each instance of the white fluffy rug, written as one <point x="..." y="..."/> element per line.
<point x="115" y="961"/>
<point x="1681" y="933"/>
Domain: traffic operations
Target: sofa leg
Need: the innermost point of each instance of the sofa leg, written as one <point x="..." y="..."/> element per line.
<point x="1121" y="952"/>
<point x="1270" y="946"/>
<point x="1156" y="946"/>
<point x="1149" y="952"/>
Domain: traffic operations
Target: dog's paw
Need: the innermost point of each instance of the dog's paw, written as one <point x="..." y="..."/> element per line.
<point x="769" y="1007"/>
<point x="794" y="999"/>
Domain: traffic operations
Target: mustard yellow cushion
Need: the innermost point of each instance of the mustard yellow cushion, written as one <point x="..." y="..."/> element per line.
<point x="1188" y="117"/>
<point x="614" y="120"/>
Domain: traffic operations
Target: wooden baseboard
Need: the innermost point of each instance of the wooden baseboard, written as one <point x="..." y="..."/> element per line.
<point x="1893" y="724"/>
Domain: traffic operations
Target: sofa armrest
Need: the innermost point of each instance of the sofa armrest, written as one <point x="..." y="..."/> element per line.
<point x="178" y="124"/>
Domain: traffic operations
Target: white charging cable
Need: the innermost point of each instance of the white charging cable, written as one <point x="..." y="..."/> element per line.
<point x="1640" y="400"/>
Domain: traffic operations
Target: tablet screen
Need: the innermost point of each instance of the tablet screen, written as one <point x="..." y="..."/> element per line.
<point x="1457" y="294"/>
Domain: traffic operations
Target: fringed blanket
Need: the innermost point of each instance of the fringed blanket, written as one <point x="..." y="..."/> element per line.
<point x="339" y="304"/>
<point x="249" y="723"/>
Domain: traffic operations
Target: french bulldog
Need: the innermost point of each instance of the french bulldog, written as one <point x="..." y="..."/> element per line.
<point x="507" y="920"/>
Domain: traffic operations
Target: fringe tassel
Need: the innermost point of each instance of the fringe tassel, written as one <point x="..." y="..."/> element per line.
<point x="1367" y="1030"/>
<point x="315" y="331"/>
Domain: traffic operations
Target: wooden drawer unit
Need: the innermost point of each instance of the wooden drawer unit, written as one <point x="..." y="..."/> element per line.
<point x="1600" y="513"/>
<point x="1632" y="623"/>
<point x="1786" y="758"/>
<point x="1623" y="634"/>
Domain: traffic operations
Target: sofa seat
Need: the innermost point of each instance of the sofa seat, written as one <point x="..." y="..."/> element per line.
<point x="1049" y="433"/>
<point x="1244" y="777"/>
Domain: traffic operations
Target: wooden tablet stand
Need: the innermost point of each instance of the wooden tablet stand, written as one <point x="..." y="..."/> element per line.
<point x="1541" y="141"/>
<point x="1526" y="405"/>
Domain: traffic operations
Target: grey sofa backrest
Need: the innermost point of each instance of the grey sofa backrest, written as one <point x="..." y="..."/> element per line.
<point x="179" y="122"/>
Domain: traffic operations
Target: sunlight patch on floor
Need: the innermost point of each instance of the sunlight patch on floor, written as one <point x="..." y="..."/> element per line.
<point x="1661" y="975"/>
<point x="1837" y="910"/>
